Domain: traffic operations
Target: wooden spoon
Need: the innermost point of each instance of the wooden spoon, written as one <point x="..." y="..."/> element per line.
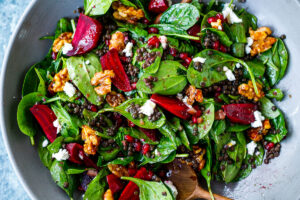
<point x="186" y="182"/>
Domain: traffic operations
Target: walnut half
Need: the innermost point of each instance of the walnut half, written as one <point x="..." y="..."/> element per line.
<point x="59" y="81"/>
<point x="103" y="79"/>
<point x="61" y="41"/>
<point x="91" y="140"/>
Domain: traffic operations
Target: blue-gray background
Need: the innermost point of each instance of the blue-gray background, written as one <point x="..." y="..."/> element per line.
<point x="10" y="13"/>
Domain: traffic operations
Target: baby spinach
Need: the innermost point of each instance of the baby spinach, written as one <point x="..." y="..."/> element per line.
<point x="44" y="153"/>
<point x="275" y="93"/>
<point x="198" y="5"/>
<point x="151" y="189"/>
<point x="171" y="79"/>
<point x="61" y="178"/>
<point x="276" y="60"/>
<point x="144" y="122"/>
<point x="208" y="120"/>
<point x="281" y="131"/>
<point x="139" y="135"/>
<point x="219" y="127"/>
<point x="204" y="23"/>
<point x="266" y="108"/>
<point x="137" y="31"/>
<point x="78" y="72"/>
<point x="249" y="20"/>
<point x="97" y="7"/>
<point x="238" y="33"/>
<point x="182" y="46"/>
<point x="78" y="170"/>
<point x="167" y="131"/>
<point x="109" y="154"/>
<point x="92" y="64"/>
<point x="257" y="67"/>
<point x="96" y="188"/>
<point x="182" y="15"/>
<point x="42" y="89"/>
<point x="55" y="145"/>
<point x="122" y="161"/>
<point x="25" y="119"/>
<point x="224" y="39"/>
<point x="63" y="25"/>
<point x="189" y="129"/>
<point x="238" y="50"/>
<point x="172" y="30"/>
<point x="128" y="3"/>
<point x="206" y="171"/>
<point x="237" y="128"/>
<point x="175" y="123"/>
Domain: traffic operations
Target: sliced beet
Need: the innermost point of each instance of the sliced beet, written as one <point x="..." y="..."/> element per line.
<point x="45" y="117"/>
<point x="115" y="184"/>
<point x="86" y="36"/>
<point x="74" y="149"/>
<point x="240" y="113"/>
<point x="194" y="31"/>
<point x="151" y="133"/>
<point x="88" y="162"/>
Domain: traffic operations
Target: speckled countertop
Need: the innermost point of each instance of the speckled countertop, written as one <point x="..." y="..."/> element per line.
<point x="10" y="13"/>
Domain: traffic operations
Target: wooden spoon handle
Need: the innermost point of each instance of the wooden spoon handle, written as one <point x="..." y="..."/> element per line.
<point x="201" y="193"/>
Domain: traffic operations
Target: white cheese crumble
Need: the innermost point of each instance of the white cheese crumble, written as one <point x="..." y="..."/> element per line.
<point x="220" y="28"/>
<point x="229" y="74"/>
<point x="199" y="59"/>
<point x="87" y="62"/>
<point x="45" y="143"/>
<point x="184" y="100"/>
<point x="231" y="143"/>
<point x="258" y="119"/>
<point x="128" y="49"/>
<point x="148" y="108"/>
<point x="169" y="2"/>
<point x="66" y="48"/>
<point x="251" y="147"/>
<point x="62" y="154"/>
<point x="172" y="187"/>
<point x="230" y="15"/>
<point x="238" y="65"/>
<point x="57" y="125"/>
<point x="249" y="44"/>
<point x="69" y="89"/>
<point x="164" y="41"/>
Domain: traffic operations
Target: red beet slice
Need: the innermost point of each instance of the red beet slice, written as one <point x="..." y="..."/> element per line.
<point x="115" y="184"/>
<point x="240" y="113"/>
<point x="111" y="61"/>
<point x="151" y="133"/>
<point x="87" y="161"/>
<point x="45" y="117"/>
<point x="194" y="30"/>
<point x="158" y="6"/>
<point x="74" y="149"/>
<point x="86" y="36"/>
<point x="173" y="105"/>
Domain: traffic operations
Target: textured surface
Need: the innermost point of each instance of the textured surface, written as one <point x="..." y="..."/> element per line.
<point x="10" y="13"/>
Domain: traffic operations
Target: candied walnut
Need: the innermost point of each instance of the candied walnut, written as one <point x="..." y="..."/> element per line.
<point x="103" y="79"/>
<point x="199" y="154"/>
<point x="108" y="195"/>
<point x="220" y="114"/>
<point x="91" y="140"/>
<point x="193" y="95"/>
<point x="59" y="81"/>
<point x="126" y="13"/>
<point x="61" y="41"/>
<point x="114" y="99"/>
<point x="118" y="170"/>
<point x="247" y="90"/>
<point x="261" y="40"/>
<point x="117" y="41"/>
<point x="256" y="134"/>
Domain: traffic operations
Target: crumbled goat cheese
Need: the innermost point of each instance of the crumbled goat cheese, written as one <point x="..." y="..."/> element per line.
<point x="199" y="59"/>
<point x="164" y="41"/>
<point x="231" y="143"/>
<point x="66" y="48"/>
<point x="220" y="27"/>
<point x="230" y="15"/>
<point x="128" y="49"/>
<point x="57" y="125"/>
<point x="184" y="100"/>
<point x="169" y="2"/>
<point x="248" y="50"/>
<point x="62" y="154"/>
<point x="257" y="153"/>
<point x="87" y="62"/>
<point x="249" y="44"/>
<point x="45" y="143"/>
<point x="229" y="74"/>
<point x="251" y="147"/>
<point x="238" y="65"/>
<point x="69" y="89"/>
<point x="172" y="187"/>
<point x="258" y="119"/>
<point x="148" y="108"/>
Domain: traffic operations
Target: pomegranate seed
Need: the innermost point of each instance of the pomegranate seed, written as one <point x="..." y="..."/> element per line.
<point x="138" y="146"/>
<point x="183" y="56"/>
<point x="269" y="146"/>
<point x="153" y="41"/>
<point x="146" y="149"/>
<point x="194" y="119"/>
<point x="153" y="30"/>
<point x="188" y="60"/>
<point x="216" y="45"/>
<point x="173" y="52"/>
<point x="150" y="175"/>
<point x="185" y="64"/>
<point x="133" y="86"/>
<point x="131" y="124"/>
<point x="132" y="171"/>
<point x="93" y="108"/>
<point x="211" y="19"/>
<point x="223" y="48"/>
<point x="146" y="21"/>
<point x="220" y="16"/>
<point x="128" y="138"/>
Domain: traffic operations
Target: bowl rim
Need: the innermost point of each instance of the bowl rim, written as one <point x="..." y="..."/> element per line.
<point x="7" y="145"/>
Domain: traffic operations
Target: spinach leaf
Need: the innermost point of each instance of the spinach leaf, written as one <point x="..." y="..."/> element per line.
<point x="96" y="188"/>
<point x="275" y="93"/>
<point x="266" y="108"/>
<point x="61" y="178"/>
<point x="210" y="5"/>
<point x="204" y="23"/>
<point x="237" y="128"/>
<point x="109" y="154"/>
<point x="208" y="120"/>
<point x="172" y="30"/>
<point x="92" y="64"/>
<point x="76" y="170"/>
<point x="139" y="135"/>
<point x="63" y="25"/>
<point x="238" y="33"/>
<point x="122" y="161"/>
<point x="224" y="39"/>
<point x="42" y="89"/>
<point x="80" y="76"/>
<point x="198" y="5"/>
<point x="167" y="131"/>
<point x="144" y="123"/>
<point x="171" y="79"/>
<point x="190" y="129"/>
<point x="69" y="127"/>
<point x="281" y="131"/>
<point x="55" y="145"/>
<point x="128" y="3"/>
<point x="206" y="171"/>
<point x="220" y="141"/>
<point x="219" y="127"/>
<point x="249" y="20"/>
<point x="238" y="50"/>
<point x="137" y="31"/>
<point x="257" y="67"/>
<point x="182" y="46"/>
<point x="97" y="7"/>
<point x="151" y="189"/>
<point x="182" y="15"/>
<point x="44" y="153"/>
<point x="25" y="119"/>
